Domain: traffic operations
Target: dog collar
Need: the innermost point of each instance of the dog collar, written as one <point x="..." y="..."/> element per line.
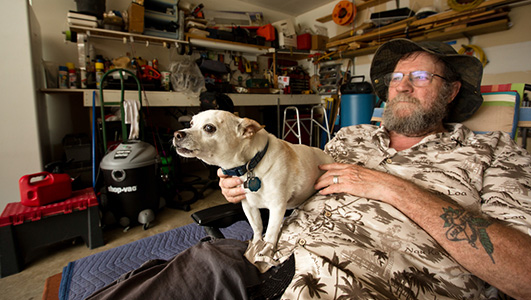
<point x="249" y="166"/>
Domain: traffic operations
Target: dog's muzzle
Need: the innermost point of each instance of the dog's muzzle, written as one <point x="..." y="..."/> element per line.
<point x="178" y="139"/>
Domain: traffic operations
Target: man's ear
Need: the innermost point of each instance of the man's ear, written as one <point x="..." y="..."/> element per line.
<point x="249" y="127"/>
<point x="456" y="86"/>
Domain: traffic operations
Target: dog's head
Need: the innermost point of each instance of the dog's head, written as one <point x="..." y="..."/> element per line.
<point x="217" y="137"/>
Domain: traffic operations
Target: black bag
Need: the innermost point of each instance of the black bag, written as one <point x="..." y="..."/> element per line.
<point x="215" y="100"/>
<point x="362" y="87"/>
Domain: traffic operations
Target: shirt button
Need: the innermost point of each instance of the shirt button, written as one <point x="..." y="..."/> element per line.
<point x="327" y="214"/>
<point x="302" y="242"/>
<point x="389" y="161"/>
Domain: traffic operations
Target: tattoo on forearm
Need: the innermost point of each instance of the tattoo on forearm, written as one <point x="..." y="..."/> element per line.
<point x="464" y="226"/>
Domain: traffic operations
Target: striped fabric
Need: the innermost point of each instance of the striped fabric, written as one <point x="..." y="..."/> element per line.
<point x="499" y="112"/>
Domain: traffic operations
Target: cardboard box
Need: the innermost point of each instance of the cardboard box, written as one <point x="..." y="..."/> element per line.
<point x="136" y="18"/>
<point x="319" y="42"/>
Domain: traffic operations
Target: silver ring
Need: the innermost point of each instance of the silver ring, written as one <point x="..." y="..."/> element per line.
<point x="336" y="179"/>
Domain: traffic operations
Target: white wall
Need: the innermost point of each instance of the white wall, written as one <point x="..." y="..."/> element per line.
<point x="20" y="151"/>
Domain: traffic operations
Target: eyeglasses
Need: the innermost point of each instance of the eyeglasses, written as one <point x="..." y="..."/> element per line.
<point x="417" y="78"/>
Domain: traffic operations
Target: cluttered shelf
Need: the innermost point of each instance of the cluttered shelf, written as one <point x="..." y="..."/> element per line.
<point x="121" y="35"/>
<point x="167" y="99"/>
<point x="176" y="99"/>
<point x="491" y="16"/>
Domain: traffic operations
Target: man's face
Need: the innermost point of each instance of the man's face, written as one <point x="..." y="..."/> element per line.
<point x="412" y="110"/>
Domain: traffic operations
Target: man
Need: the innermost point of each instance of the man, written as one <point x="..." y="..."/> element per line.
<point x="416" y="209"/>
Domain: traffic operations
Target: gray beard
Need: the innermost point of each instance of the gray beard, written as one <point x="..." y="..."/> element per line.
<point x="420" y="122"/>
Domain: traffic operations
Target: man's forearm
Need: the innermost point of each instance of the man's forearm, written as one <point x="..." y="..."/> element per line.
<point x="492" y="251"/>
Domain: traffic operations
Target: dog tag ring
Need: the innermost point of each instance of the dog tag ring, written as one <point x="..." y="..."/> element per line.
<point x="253" y="183"/>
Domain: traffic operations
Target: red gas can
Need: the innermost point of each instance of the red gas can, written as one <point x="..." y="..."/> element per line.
<point x="44" y="187"/>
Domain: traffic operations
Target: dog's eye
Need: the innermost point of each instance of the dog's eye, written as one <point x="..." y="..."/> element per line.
<point x="209" y="128"/>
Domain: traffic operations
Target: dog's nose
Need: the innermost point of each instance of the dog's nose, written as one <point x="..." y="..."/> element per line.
<point x="179" y="135"/>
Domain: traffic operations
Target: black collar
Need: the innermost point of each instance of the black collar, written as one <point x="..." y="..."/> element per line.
<point x="249" y="166"/>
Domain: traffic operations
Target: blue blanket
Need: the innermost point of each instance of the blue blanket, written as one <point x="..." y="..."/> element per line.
<point x="84" y="276"/>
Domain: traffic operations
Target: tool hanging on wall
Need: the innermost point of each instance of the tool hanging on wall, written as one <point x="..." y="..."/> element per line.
<point x="344" y="13"/>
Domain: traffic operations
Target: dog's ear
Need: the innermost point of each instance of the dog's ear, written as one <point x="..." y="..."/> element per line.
<point x="249" y="127"/>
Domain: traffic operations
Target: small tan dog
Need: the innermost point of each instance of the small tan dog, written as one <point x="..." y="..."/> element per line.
<point x="277" y="174"/>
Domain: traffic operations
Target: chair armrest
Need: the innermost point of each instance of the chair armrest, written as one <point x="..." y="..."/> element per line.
<point x="224" y="215"/>
<point x="220" y="216"/>
<point x="216" y="217"/>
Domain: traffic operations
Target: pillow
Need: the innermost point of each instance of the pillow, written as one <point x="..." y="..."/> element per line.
<point x="499" y="112"/>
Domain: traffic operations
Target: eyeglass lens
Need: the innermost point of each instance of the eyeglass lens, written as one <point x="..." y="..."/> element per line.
<point x="417" y="78"/>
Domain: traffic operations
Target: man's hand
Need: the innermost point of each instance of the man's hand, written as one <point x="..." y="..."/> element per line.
<point x="358" y="181"/>
<point x="231" y="187"/>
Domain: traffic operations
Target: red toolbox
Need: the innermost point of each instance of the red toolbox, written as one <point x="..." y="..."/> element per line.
<point x="43" y="188"/>
<point x="24" y="229"/>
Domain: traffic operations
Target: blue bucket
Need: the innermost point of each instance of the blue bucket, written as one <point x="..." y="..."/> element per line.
<point x="356" y="109"/>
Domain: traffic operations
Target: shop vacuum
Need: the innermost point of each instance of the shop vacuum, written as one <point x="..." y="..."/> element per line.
<point x="131" y="174"/>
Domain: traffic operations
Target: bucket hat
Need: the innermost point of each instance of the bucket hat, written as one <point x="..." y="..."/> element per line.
<point x="469" y="98"/>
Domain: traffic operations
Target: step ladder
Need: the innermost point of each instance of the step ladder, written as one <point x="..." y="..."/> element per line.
<point x="294" y="125"/>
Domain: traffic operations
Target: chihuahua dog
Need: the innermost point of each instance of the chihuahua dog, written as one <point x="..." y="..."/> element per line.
<point x="277" y="174"/>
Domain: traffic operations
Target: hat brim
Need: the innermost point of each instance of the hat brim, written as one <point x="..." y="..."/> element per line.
<point x="469" y="98"/>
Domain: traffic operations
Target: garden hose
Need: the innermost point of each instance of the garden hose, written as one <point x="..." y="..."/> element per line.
<point x="475" y="51"/>
<point x="344" y="13"/>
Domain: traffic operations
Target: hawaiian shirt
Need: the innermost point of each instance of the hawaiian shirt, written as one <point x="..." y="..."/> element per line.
<point x="347" y="247"/>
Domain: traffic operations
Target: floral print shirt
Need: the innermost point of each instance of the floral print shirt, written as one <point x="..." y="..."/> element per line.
<point x="347" y="247"/>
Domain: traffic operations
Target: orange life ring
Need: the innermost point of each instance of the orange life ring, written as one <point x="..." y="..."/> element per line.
<point x="344" y="13"/>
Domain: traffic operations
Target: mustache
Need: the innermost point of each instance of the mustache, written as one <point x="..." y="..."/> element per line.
<point x="404" y="98"/>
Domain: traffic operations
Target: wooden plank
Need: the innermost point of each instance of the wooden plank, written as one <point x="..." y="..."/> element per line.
<point x="450" y="14"/>
<point x="382" y="31"/>
<point x="325" y="19"/>
<point x="351" y="32"/>
<point x="470" y="21"/>
<point x="471" y="30"/>
<point x="490" y="27"/>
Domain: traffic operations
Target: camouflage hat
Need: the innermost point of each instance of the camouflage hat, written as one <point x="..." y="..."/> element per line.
<point x="469" y="98"/>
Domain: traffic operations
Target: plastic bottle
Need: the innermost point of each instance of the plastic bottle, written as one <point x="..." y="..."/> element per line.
<point x="99" y="73"/>
<point x="83" y="74"/>
<point x="63" y="77"/>
<point x="72" y="76"/>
